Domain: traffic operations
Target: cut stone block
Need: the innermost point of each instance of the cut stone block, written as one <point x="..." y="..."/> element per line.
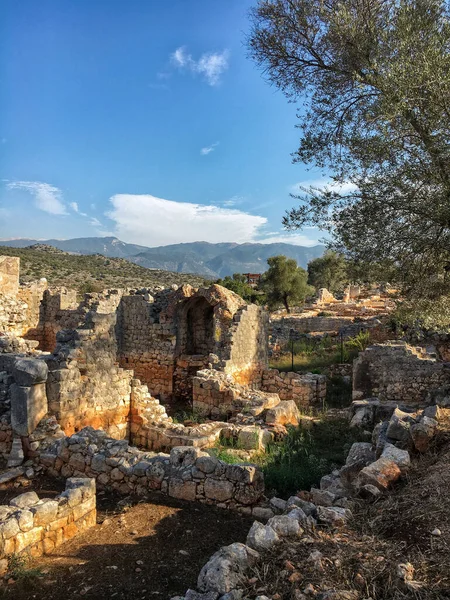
<point x="28" y="407"/>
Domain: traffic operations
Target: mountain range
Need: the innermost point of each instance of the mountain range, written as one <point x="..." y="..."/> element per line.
<point x="203" y="258"/>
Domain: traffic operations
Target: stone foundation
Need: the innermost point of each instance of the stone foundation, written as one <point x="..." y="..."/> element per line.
<point x="398" y="372"/>
<point x="305" y="389"/>
<point x="187" y="473"/>
<point x="35" y="527"/>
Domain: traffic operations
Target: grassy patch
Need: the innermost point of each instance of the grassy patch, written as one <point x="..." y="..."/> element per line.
<point x="312" y="355"/>
<point x="306" y="454"/>
<point x="19" y="570"/>
<point x="225" y="455"/>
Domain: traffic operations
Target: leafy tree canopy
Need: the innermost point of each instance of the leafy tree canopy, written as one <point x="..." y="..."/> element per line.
<point x="328" y="271"/>
<point x="238" y="284"/>
<point x="285" y="283"/>
<point x="374" y="80"/>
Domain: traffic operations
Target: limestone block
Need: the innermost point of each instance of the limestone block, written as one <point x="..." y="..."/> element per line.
<point x="25" y="500"/>
<point x="218" y="489"/>
<point x="28" y="407"/>
<point x="29" y="371"/>
<point x="184" y="490"/>
<point x="225" y="569"/>
<point x="261" y="537"/>
<point x="333" y="515"/>
<point x="397" y="455"/>
<point x="285" y="413"/>
<point x="423" y="432"/>
<point x="382" y="473"/>
<point x="285" y="526"/>
<point x="399" y="426"/>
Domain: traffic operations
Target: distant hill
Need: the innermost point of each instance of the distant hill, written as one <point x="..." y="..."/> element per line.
<point x="90" y="273"/>
<point x="203" y="258"/>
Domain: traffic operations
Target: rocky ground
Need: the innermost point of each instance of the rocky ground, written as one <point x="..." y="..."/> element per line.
<point x="147" y="549"/>
<point x="397" y="547"/>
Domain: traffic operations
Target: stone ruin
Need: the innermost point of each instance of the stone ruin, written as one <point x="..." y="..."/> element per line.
<point x="119" y="360"/>
<point x="86" y="386"/>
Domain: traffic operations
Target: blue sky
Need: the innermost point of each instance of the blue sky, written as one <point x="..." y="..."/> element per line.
<point x="142" y="119"/>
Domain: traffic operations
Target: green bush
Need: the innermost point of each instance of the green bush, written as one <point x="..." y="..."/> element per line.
<point x="305" y="455"/>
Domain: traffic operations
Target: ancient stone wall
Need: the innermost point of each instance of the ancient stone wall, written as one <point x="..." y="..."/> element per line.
<point x="306" y="389"/>
<point x="166" y="339"/>
<point x="146" y="344"/>
<point x="9" y="275"/>
<point x="85" y="386"/>
<point x="281" y="329"/>
<point x="35" y="527"/>
<point x="187" y="473"/>
<point x="397" y="372"/>
<point x="249" y="345"/>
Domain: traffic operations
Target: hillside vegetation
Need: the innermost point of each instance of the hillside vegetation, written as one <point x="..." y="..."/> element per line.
<point x="89" y="273"/>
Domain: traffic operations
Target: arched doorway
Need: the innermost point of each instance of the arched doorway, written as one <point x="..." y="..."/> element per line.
<point x="195" y="341"/>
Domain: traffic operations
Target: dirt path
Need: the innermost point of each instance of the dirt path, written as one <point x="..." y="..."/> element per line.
<point x="154" y="549"/>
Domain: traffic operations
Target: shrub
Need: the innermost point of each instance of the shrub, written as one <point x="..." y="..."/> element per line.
<point x="305" y="455"/>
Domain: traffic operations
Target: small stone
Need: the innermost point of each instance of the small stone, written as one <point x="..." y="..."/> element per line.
<point x="437" y="532"/>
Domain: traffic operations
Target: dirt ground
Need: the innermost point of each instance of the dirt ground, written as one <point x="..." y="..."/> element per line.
<point x="154" y="548"/>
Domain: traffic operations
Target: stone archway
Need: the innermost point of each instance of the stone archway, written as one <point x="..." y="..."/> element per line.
<point x="195" y="342"/>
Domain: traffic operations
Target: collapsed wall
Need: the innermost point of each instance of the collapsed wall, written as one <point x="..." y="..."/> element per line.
<point x="166" y="339"/>
<point x="187" y="473"/>
<point x="395" y="371"/>
<point x="35" y="527"/>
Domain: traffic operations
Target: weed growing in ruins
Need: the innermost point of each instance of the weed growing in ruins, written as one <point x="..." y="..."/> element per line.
<point x="312" y="355"/>
<point x="306" y="454"/>
<point x="191" y="416"/>
<point x="18" y="568"/>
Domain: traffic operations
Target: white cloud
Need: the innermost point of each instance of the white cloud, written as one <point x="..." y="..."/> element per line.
<point x="343" y="188"/>
<point x="151" y="221"/>
<point x="47" y="197"/>
<point x="234" y="201"/>
<point x="210" y="65"/>
<point x="74" y="206"/>
<point x="207" y="149"/>
<point x="285" y="238"/>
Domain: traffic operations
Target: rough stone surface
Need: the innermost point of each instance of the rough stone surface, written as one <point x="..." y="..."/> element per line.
<point x="382" y="473"/>
<point x="224" y="570"/>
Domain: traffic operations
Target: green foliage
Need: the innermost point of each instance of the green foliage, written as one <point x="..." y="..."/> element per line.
<point x="433" y="315"/>
<point x="19" y="570"/>
<point x="359" y="342"/>
<point x="238" y="284"/>
<point x="306" y="454"/>
<point x="317" y="354"/>
<point x="328" y="271"/>
<point x="89" y="273"/>
<point x="373" y="80"/>
<point x="285" y="283"/>
<point x="193" y="416"/>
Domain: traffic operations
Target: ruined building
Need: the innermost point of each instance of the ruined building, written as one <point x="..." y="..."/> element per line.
<point x="121" y="359"/>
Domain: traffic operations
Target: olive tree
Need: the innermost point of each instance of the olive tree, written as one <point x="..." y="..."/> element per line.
<point x="372" y="79"/>
<point x="285" y="282"/>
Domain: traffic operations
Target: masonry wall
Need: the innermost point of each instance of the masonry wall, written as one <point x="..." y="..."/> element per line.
<point x="249" y="345"/>
<point x="397" y="372"/>
<point x="146" y="345"/>
<point x="35" y="527"/>
<point x="187" y="473"/>
<point x="85" y="386"/>
<point x="9" y="275"/>
<point x="306" y="389"/>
